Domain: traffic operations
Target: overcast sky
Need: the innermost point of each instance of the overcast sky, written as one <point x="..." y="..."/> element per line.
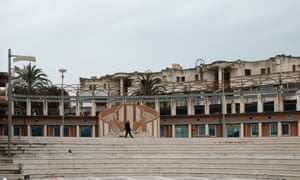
<point x="99" y="37"/>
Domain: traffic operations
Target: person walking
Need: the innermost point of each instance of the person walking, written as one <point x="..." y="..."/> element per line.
<point x="127" y="129"/>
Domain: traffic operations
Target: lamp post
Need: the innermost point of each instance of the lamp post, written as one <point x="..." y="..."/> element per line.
<point x="62" y="71"/>
<point x="16" y="58"/>
<point x="223" y="104"/>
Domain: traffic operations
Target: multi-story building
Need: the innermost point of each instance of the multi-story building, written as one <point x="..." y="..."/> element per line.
<point x="221" y="99"/>
<point x="276" y="72"/>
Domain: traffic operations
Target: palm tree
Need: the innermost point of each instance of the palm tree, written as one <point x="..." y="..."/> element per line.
<point x="149" y="85"/>
<point x="30" y="80"/>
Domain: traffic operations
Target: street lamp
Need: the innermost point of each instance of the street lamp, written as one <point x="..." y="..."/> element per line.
<point x="16" y="58"/>
<point x="223" y="104"/>
<point x="62" y="71"/>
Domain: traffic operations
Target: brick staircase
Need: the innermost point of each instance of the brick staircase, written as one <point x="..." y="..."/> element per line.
<point x="49" y="157"/>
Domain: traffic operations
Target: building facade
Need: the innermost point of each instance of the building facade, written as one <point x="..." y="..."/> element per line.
<point x="277" y="72"/>
<point x="222" y="99"/>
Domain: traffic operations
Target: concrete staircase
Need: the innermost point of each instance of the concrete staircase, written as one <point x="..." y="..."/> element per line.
<point x="49" y="157"/>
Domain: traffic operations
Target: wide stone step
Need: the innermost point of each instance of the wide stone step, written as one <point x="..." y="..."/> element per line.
<point x="175" y="172"/>
<point x="258" y="158"/>
<point x="159" y="160"/>
<point x="134" y="165"/>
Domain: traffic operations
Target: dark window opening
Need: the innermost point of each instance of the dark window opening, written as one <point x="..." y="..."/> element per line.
<point x="247" y="72"/>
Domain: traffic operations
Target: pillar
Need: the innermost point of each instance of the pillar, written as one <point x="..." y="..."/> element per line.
<point x="158" y="128"/>
<point x="242" y="104"/>
<point x="155" y="128"/>
<point x="173" y="131"/>
<point x="206" y="130"/>
<point x="93" y="107"/>
<point x="173" y="107"/>
<point x="298" y="128"/>
<point x="279" y="102"/>
<point x="206" y="106"/>
<point x="28" y="107"/>
<point x="190" y="131"/>
<point x="298" y="101"/>
<point x="100" y="128"/>
<point x="45" y="131"/>
<point x="77" y="131"/>
<point x="45" y="107"/>
<point x="93" y="131"/>
<point x="259" y="129"/>
<point x="121" y="86"/>
<point x="190" y="106"/>
<point x="242" y="130"/>
<point x="77" y="107"/>
<point x="220" y="77"/>
<point x="259" y="103"/>
<point x="61" y="128"/>
<point x="233" y="111"/>
<point x="28" y="130"/>
<point x="279" y="129"/>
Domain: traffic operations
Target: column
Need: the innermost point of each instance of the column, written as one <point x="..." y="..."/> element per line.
<point x="61" y="131"/>
<point x="298" y="101"/>
<point x="158" y="128"/>
<point x="173" y="131"/>
<point x="28" y="107"/>
<point x="173" y="107"/>
<point x="93" y="131"/>
<point x="93" y="107"/>
<point x="100" y="128"/>
<point x="233" y="111"/>
<point x="28" y="130"/>
<point x="190" y="106"/>
<point x="259" y="103"/>
<point x="279" y="129"/>
<point x="155" y="128"/>
<point x="220" y="77"/>
<point x="298" y="128"/>
<point x="190" y="131"/>
<point x="45" y="107"/>
<point x="45" y="130"/>
<point x="121" y="86"/>
<point x="77" y="131"/>
<point x="278" y="103"/>
<point x="242" y="104"/>
<point x="242" y="130"/>
<point x="206" y="130"/>
<point x="259" y="129"/>
<point x="77" y="107"/>
<point x="206" y="106"/>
